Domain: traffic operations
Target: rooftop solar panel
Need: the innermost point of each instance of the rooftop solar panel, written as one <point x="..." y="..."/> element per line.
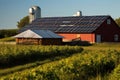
<point x="67" y="24"/>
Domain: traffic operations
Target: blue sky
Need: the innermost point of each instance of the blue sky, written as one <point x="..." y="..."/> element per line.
<point x="11" y="11"/>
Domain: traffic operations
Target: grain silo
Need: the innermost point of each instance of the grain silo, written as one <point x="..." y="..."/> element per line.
<point x="34" y="13"/>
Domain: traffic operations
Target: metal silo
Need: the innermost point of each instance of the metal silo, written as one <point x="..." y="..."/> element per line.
<point x="34" y="13"/>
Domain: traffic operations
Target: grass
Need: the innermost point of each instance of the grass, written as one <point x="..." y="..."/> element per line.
<point x="21" y="67"/>
<point x="103" y="46"/>
<point x="7" y="39"/>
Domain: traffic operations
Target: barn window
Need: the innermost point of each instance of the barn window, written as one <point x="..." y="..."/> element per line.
<point x="116" y="37"/>
<point x="108" y="21"/>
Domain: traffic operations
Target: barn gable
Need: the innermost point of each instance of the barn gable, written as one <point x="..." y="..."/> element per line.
<point x="109" y="23"/>
<point x="108" y="31"/>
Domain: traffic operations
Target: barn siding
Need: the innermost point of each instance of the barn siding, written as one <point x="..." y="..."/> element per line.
<point x="44" y="41"/>
<point x="88" y="37"/>
<point x="26" y="41"/>
<point x="83" y="37"/>
<point x="68" y="36"/>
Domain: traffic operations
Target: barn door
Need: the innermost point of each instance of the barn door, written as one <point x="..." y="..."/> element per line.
<point x="98" y="38"/>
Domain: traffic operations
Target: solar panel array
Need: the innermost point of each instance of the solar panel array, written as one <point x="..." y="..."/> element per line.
<point x="80" y="24"/>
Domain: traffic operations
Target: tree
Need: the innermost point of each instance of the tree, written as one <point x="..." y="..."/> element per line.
<point x="23" y="22"/>
<point x="118" y="21"/>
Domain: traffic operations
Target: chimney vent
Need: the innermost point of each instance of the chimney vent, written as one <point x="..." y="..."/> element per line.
<point x="79" y="13"/>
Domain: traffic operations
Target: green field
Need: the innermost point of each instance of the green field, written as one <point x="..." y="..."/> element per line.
<point x="33" y="62"/>
<point x="8" y="39"/>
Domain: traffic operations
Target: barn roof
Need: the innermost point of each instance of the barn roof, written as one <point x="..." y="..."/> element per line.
<point x="37" y="34"/>
<point x="74" y="24"/>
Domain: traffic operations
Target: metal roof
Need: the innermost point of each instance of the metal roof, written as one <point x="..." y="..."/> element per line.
<point x="74" y="24"/>
<point x="37" y="34"/>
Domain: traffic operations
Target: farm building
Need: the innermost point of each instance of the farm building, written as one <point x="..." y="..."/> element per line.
<point x="85" y="28"/>
<point x="41" y="37"/>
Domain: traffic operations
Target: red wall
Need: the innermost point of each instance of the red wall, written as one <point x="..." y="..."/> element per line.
<point x="88" y="37"/>
<point x="83" y="37"/>
<point x="68" y="36"/>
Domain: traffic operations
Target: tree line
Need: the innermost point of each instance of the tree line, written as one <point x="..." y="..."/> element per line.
<point x="118" y="21"/>
<point x="8" y="32"/>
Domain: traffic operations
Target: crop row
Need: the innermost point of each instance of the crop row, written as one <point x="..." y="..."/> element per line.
<point x="82" y="66"/>
<point x="11" y="55"/>
<point x="115" y="74"/>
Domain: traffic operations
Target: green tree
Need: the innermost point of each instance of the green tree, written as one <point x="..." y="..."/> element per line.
<point x="118" y="21"/>
<point x="23" y="22"/>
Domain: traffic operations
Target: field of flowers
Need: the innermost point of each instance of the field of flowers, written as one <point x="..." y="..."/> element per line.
<point x="102" y="64"/>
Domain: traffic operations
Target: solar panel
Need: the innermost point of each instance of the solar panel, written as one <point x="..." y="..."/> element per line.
<point x="67" y="24"/>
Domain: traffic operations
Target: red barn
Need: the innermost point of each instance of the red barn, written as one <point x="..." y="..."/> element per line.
<point x="85" y="28"/>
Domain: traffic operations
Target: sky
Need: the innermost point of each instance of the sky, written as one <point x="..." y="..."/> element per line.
<point x="11" y="11"/>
